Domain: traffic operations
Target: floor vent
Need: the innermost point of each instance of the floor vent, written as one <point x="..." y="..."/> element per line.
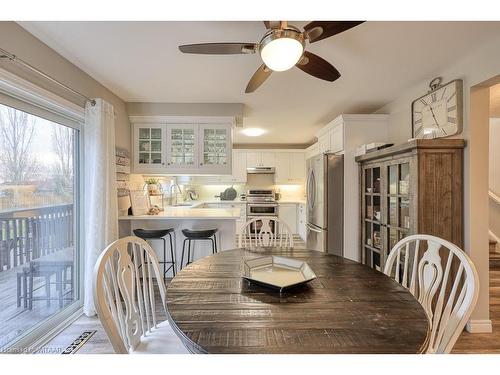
<point x="79" y="342"/>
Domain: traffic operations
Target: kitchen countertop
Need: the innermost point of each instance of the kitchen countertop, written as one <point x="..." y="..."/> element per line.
<point x="190" y="212"/>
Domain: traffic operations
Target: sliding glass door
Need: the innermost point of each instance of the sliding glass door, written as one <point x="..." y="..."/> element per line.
<point x="39" y="221"/>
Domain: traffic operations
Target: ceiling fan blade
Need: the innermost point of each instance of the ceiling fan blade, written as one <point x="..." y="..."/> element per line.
<point x="219" y="48"/>
<point x="258" y="78"/>
<point x="317" y="30"/>
<point x="316" y="66"/>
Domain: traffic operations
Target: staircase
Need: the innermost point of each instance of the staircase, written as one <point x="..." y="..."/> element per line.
<point x="494" y="256"/>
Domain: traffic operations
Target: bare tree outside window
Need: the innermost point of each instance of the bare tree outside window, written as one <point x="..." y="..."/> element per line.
<point x="62" y="143"/>
<point x="17" y="163"/>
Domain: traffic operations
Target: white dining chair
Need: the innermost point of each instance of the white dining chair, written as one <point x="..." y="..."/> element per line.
<point x="448" y="296"/>
<point x="125" y="278"/>
<point x="260" y="232"/>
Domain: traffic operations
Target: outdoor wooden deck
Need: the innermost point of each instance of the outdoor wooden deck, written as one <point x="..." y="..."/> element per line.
<point x="15" y="320"/>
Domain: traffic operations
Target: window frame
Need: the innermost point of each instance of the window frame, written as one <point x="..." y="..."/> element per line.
<point x="22" y="95"/>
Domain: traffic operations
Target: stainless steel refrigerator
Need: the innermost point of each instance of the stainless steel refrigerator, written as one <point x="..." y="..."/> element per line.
<point x="325" y="203"/>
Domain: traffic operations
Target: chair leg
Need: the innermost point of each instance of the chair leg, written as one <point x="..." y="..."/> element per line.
<point x="25" y="290"/>
<point x="172" y="254"/>
<point x="189" y="252"/>
<point x="164" y="258"/>
<point x="47" y="289"/>
<point x="59" y="282"/>
<point x="213" y="245"/>
<point x="182" y="255"/>
<point x="19" y="281"/>
<point x="30" y="292"/>
<point x="215" y="241"/>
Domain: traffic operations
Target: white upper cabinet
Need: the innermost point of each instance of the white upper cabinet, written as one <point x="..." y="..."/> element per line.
<point x="282" y="174"/>
<point x="239" y="167"/>
<point x="216" y="148"/>
<point x="254" y="159"/>
<point x="290" y="168"/>
<point x="149" y="147"/>
<point x="261" y="159"/>
<point x="297" y="167"/>
<point x="182" y="147"/>
<point x="337" y="138"/>
<point x="324" y="143"/>
<point x="268" y="159"/>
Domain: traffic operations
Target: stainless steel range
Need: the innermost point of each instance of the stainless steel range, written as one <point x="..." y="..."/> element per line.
<point x="261" y="202"/>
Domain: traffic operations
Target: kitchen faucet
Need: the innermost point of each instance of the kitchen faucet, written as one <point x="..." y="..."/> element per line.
<point x="173" y="193"/>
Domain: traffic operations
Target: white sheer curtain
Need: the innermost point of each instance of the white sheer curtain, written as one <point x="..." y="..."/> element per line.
<point x="100" y="198"/>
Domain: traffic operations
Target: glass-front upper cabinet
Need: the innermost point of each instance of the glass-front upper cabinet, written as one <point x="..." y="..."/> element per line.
<point x="149" y="146"/>
<point x="182" y="149"/>
<point x="215" y="147"/>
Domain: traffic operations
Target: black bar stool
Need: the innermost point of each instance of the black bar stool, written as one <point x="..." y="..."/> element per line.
<point x="160" y="234"/>
<point x="197" y="235"/>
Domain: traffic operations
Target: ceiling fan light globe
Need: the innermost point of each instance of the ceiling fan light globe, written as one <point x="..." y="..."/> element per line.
<point x="282" y="53"/>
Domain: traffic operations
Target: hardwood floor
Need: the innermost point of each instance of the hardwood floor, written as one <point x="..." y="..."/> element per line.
<point x="486" y="342"/>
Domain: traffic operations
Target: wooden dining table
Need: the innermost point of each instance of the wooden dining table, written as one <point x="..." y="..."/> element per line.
<point x="348" y="308"/>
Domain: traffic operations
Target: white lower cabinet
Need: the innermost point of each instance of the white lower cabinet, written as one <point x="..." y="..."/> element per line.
<point x="288" y="214"/>
<point x="301" y="220"/>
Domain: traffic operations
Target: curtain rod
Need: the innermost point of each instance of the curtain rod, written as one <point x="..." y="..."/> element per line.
<point x="7" y="55"/>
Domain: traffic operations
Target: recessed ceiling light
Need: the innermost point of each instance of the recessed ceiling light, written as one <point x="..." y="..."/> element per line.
<point x="253" y="132"/>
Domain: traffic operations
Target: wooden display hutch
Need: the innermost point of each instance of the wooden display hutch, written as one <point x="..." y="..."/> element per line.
<point x="407" y="189"/>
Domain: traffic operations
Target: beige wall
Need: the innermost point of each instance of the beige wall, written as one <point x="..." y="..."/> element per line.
<point x="494" y="174"/>
<point x="18" y="41"/>
<point x="187" y="109"/>
<point x="478" y="65"/>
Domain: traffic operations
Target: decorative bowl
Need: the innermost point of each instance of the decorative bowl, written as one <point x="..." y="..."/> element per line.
<point x="277" y="272"/>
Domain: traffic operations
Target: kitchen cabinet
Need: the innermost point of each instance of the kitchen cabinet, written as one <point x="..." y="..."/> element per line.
<point x="324" y="143"/>
<point x="287" y="213"/>
<point x="312" y="150"/>
<point x="239" y="161"/>
<point x="297" y="167"/>
<point x="337" y="138"/>
<point x="189" y="146"/>
<point x="215" y="148"/>
<point x="290" y="168"/>
<point x="182" y="147"/>
<point x="301" y="220"/>
<point x="149" y="147"/>
<point x="408" y="189"/>
<point x="261" y="159"/>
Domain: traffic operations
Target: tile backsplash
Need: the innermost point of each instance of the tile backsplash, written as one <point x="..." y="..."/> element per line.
<point x="256" y="181"/>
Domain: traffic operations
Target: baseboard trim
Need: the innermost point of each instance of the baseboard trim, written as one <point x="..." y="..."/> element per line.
<point x="479" y="326"/>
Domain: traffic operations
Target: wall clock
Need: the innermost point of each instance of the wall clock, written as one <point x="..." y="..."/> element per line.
<point x="439" y="112"/>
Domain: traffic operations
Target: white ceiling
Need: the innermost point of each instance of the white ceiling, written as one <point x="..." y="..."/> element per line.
<point x="139" y="61"/>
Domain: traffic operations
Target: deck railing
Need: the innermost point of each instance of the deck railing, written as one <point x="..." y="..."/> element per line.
<point x="28" y="234"/>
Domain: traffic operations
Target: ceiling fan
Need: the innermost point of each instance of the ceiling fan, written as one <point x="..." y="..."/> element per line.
<point x="281" y="48"/>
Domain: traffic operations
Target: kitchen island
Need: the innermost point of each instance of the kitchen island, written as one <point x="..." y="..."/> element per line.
<point x="186" y="217"/>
